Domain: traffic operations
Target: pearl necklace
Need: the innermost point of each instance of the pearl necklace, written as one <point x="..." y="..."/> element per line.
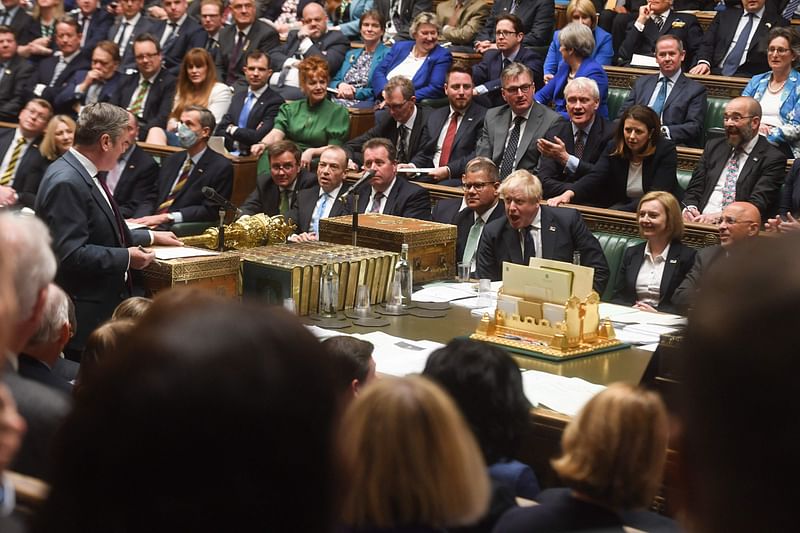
<point x="779" y="89"/>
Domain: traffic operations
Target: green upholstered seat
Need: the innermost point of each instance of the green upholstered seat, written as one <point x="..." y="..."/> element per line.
<point x="616" y="97"/>
<point x="683" y="179"/>
<point x="713" y="119"/>
<point x="614" y="247"/>
<point x="184" y="229"/>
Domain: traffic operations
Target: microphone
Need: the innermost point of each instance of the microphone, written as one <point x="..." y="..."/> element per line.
<point x="217" y="198"/>
<point x="366" y="176"/>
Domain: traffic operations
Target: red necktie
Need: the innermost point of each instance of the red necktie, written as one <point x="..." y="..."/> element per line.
<point x="449" y="137"/>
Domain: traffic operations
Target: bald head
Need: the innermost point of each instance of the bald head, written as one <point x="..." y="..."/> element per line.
<point x="749" y="103"/>
<point x="739" y="221"/>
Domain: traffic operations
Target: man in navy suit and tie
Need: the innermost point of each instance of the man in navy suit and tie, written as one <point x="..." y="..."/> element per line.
<point x="322" y="200"/>
<point x="253" y="109"/>
<point x="680" y="101"/>
<point x="177" y="33"/>
<point x="54" y="72"/>
<point x="478" y="207"/>
<point x="184" y="174"/>
<point x="236" y="41"/>
<point x="128" y="26"/>
<point x="657" y="18"/>
<point x="452" y="131"/>
<point x="509" y="49"/>
<point x="94" y="23"/>
<point x="530" y="230"/>
<point x="538" y="19"/>
<point x="570" y="149"/>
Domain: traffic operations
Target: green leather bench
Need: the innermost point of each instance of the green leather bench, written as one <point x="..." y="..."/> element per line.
<point x="614" y="247"/>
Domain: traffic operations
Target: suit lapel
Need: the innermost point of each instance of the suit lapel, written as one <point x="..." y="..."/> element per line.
<point x="391" y="200"/>
<point x="548" y="231"/>
<point x="752" y="161"/>
<point x="670" y="267"/>
<point x="532" y="125"/>
<point x="97" y="194"/>
<point x="500" y="132"/>
<point x="675" y="93"/>
<point x="511" y="242"/>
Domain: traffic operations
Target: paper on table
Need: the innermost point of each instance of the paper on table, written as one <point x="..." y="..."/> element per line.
<point x="396" y="356"/>
<point x="135" y="225"/>
<point x="559" y="393"/>
<point x="164" y="253"/>
<point x="322" y="333"/>
<point x="443" y="293"/>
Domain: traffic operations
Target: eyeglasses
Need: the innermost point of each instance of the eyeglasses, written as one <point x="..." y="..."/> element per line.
<point x="397" y="107"/>
<point x="735" y="117"/>
<point x="142" y="57"/>
<point x="505" y="33"/>
<point x="777" y="50"/>
<point x="477" y="185"/>
<point x="518" y="89"/>
<point x="286" y="167"/>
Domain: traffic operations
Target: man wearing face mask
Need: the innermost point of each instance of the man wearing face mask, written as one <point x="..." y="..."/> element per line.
<point x="184" y="174"/>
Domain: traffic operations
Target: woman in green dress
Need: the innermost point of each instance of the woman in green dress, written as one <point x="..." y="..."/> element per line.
<point x="312" y="123"/>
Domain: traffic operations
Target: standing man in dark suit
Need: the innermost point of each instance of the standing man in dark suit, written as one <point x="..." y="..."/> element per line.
<point x="54" y="72"/>
<point x="742" y="167"/>
<point x="184" y="174"/>
<point x="452" y="131"/>
<point x="680" y="101"/>
<point x="16" y="77"/>
<point x="133" y="180"/>
<point x="404" y="125"/>
<point x="21" y="163"/>
<point x="243" y="37"/>
<point x="177" y="32"/>
<point x="276" y="194"/>
<point x="398" y="15"/>
<point x="148" y="92"/>
<point x="322" y="200"/>
<point x="312" y="39"/>
<point x="736" y="42"/>
<point x="571" y="149"/>
<point x="253" y="109"/>
<point x="533" y="231"/>
<point x="95" y="249"/>
<point x="94" y="23"/>
<point x="479" y="207"/>
<point x="538" y="21"/>
<point x="386" y="193"/>
<point x="509" y="49"/>
<point x="656" y="19"/>
<point x="130" y="24"/>
<point x="509" y="131"/>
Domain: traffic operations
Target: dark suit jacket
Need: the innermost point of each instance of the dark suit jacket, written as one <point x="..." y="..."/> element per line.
<point x="759" y="181"/>
<point x="46" y="68"/>
<point x="99" y="24"/>
<point x="684" y="110"/>
<point x="66" y="99"/>
<point x="331" y="47"/>
<point x="137" y="184"/>
<point x="538" y="21"/>
<point x="266" y="198"/>
<point x="144" y="25"/>
<point x="409" y="9"/>
<point x="790" y="194"/>
<point x="496" y="126"/>
<point x="261" y="37"/>
<point x="93" y="260"/>
<point x="487" y="72"/>
<point x="406" y="199"/>
<point x="605" y="185"/>
<point x="30" y="169"/>
<point x="32" y="368"/>
<point x="306" y="200"/>
<point x="175" y="47"/>
<point x="718" y="37"/>
<point x="685" y="293"/>
<point x="212" y="170"/>
<point x="185" y="42"/>
<point x="259" y="122"/>
<point x="563" y="231"/>
<point x="387" y="128"/>
<point x="679" y="261"/>
<point x="25" y="27"/>
<point x="159" y="99"/>
<point x="469" y="129"/>
<point x="682" y="25"/>
<point x="554" y="176"/>
<point x="447" y="212"/>
<point x="15" y="87"/>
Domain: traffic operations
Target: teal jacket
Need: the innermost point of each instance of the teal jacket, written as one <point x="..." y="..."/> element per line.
<point x="364" y="93"/>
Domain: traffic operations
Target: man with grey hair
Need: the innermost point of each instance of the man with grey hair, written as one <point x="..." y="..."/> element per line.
<point x="510" y="131"/>
<point x="183" y="176"/>
<point x="529" y="230"/>
<point x="95" y="249"/>
<point x="570" y="149"/>
<point x="41" y="353"/>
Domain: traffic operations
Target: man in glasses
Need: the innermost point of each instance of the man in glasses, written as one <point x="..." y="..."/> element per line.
<point x="478" y="208"/>
<point x="510" y="132"/>
<point x="741" y="167"/>
<point x="277" y="193"/>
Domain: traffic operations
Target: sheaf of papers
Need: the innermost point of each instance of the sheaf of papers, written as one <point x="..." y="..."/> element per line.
<point x="639" y="60"/>
<point x="135" y="225"/>
<point x="415" y="170"/>
<point x="164" y="253"/>
<point x="628" y="315"/>
<point x="444" y="293"/>
<point x="559" y="393"/>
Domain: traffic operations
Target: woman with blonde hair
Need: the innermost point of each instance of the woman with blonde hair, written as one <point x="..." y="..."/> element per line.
<point x="411" y="460"/>
<point x="612" y="460"/>
<point x="58" y="137"/>
<point x="197" y="85"/>
<point x="652" y="270"/>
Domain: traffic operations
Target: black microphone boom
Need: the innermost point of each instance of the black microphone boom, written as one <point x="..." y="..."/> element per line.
<point x="366" y="176"/>
<point x="217" y="198"/>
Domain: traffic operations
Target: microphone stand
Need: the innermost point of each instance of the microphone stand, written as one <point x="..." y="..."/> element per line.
<point x="221" y="229"/>
<point x="354" y="211"/>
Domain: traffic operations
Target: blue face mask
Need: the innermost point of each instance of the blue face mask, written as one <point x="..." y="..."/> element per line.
<point x="186" y="137"/>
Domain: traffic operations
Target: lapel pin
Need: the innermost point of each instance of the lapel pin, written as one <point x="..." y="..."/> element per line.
<point x="552" y="228"/>
<point x="200" y="170"/>
<point x="673" y="261"/>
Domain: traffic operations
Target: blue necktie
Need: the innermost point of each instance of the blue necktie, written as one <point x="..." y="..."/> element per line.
<point x="318" y="213"/>
<point x="658" y="105"/>
<point x="248" y="105"/>
<point x="731" y="63"/>
<point x="530" y="247"/>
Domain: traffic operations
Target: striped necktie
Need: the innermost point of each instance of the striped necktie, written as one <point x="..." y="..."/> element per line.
<point x="137" y="104"/>
<point x="5" y="178"/>
<point x="184" y="177"/>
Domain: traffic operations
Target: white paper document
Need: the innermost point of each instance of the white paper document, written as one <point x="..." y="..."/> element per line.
<point x="639" y="60"/>
<point x="164" y="253"/>
<point x="396" y="356"/>
<point x="415" y="170"/>
<point x="559" y="393"/>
